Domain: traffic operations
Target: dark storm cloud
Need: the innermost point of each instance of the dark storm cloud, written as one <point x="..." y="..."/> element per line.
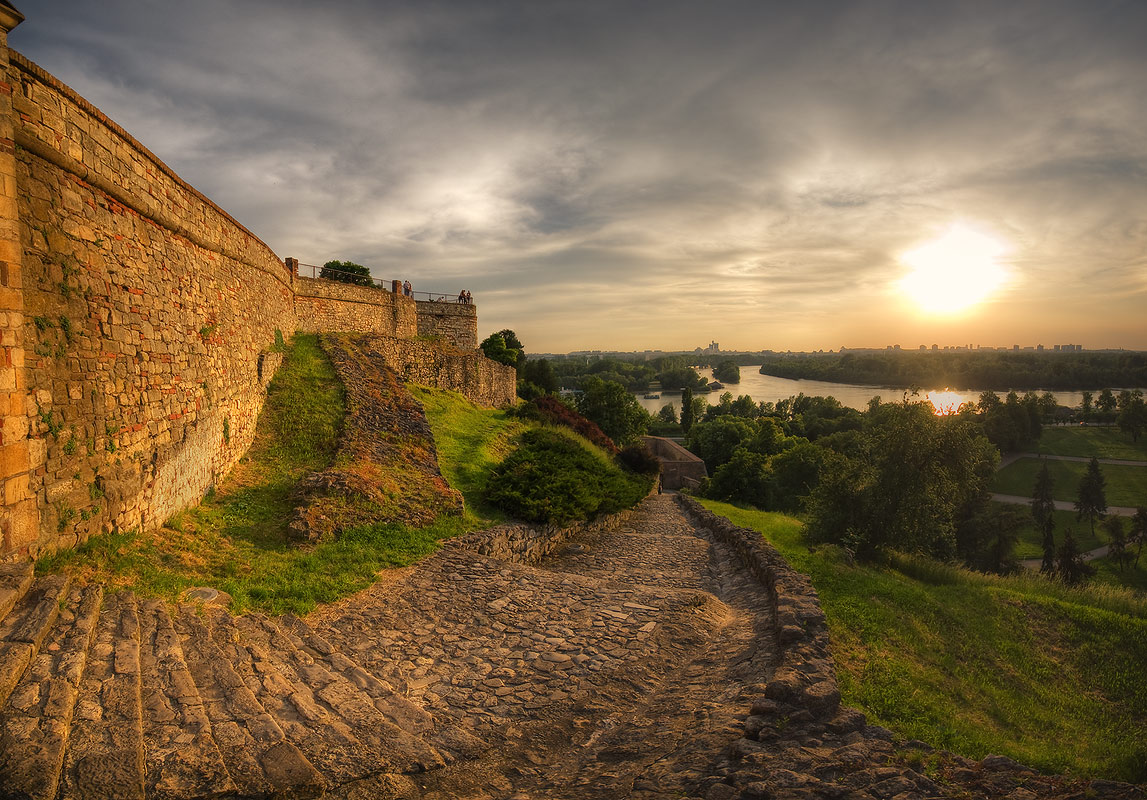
<point x="696" y="169"/>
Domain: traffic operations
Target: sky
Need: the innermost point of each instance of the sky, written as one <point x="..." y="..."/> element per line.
<point x="656" y="175"/>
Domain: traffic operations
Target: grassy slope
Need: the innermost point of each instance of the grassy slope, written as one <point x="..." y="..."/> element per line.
<point x="1047" y="675"/>
<point x="470" y="441"/>
<point x="1126" y="486"/>
<point x="236" y="541"/>
<point x="1088" y="442"/>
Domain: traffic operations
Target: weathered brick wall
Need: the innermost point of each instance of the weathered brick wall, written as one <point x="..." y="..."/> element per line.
<point x="148" y="317"/>
<point x="324" y="306"/>
<point x="442" y="366"/>
<point x="456" y="323"/>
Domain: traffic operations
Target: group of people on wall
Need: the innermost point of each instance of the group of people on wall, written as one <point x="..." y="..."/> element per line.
<point x="464" y="296"/>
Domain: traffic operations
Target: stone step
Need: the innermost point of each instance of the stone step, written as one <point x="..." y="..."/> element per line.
<point x="24" y="628"/>
<point x="335" y="725"/>
<point x="394" y="706"/>
<point x="15" y="579"/>
<point x="258" y="755"/>
<point x="105" y="749"/>
<point x="37" y="716"/>
<point x="181" y="757"/>
<point x="452" y="742"/>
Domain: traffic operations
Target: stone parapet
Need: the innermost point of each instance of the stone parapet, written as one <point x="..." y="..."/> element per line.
<point x="325" y="306"/>
<point x="804" y="686"/>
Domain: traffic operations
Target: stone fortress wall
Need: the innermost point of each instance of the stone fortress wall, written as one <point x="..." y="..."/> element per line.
<point x="140" y="324"/>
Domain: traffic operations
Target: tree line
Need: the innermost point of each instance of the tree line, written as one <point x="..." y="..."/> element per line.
<point x="995" y="370"/>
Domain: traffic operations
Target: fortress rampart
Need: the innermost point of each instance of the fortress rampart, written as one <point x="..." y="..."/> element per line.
<point x="140" y="324"/>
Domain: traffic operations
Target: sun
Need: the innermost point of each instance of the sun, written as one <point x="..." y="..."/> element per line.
<point x="954" y="272"/>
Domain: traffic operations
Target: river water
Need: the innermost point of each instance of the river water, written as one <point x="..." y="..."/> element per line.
<point x="766" y="387"/>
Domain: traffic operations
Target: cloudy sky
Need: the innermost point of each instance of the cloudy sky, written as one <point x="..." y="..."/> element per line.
<point x="632" y="175"/>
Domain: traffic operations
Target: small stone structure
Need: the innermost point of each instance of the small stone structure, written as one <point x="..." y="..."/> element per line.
<point x="680" y="469"/>
<point x="140" y="324"/>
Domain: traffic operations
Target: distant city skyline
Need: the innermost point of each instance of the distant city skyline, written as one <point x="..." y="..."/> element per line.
<point x="602" y="175"/>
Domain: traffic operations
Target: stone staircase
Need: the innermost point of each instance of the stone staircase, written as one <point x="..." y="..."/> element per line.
<point x="109" y="695"/>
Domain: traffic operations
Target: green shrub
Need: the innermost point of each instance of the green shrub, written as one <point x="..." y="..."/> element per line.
<point x="553" y="477"/>
<point x="638" y="458"/>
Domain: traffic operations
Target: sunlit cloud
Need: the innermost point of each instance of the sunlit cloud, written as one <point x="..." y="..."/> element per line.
<point x="623" y="176"/>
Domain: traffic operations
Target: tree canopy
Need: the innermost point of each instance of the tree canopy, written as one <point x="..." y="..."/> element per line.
<point x="346" y="272"/>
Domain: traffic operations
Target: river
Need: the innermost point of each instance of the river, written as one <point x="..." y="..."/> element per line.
<point x="766" y="387"/>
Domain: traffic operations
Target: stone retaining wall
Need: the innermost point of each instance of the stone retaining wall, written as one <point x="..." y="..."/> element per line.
<point x="442" y="366"/>
<point x="148" y="319"/>
<point x="455" y="323"/>
<point x="804" y="685"/>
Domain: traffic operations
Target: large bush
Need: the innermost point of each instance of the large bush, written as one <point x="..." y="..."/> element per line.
<point x="551" y="477"/>
<point x="550" y="409"/>
<point x="346" y="272"/>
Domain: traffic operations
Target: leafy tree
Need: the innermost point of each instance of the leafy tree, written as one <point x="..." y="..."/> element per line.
<point x="687" y="417"/>
<point x="918" y="477"/>
<point x="538" y="374"/>
<point x="1043" y="498"/>
<point x="745" y="477"/>
<point x="681" y="378"/>
<point x="1138" y="533"/>
<point x="795" y="474"/>
<point x="716" y="441"/>
<point x="1106" y="401"/>
<point x="1133" y="417"/>
<point x="494" y="347"/>
<point x="1116" y="541"/>
<point x="1069" y="563"/>
<point x="614" y="409"/>
<point x="727" y="371"/>
<point x="346" y="272"/>
<point x="667" y="414"/>
<point x="1092" y="499"/>
<point x="1086" y="405"/>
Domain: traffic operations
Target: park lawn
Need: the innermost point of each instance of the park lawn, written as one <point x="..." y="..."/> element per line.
<point x="1131" y="576"/>
<point x="1089" y="442"/>
<point x="1126" y="486"/>
<point x="1021" y="666"/>
<point x="1030" y="544"/>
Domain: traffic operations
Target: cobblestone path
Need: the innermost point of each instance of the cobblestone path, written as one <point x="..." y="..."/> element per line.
<point x="617" y="667"/>
<point x="614" y="669"/>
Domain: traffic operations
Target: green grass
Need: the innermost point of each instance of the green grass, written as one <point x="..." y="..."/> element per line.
<point x="471" y="441"/>
<point x="236" y="539"/>
<point x="1087" y="442"/>
<point x="1030" y="544"/>
<point x="1046" y="674"/>
<point x="1126" y="486"/>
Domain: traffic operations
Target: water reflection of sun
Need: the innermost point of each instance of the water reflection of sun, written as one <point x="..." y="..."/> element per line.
<point x="945" y="403"/>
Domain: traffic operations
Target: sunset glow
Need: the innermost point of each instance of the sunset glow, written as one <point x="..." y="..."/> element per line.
<point x="954" y="272"/>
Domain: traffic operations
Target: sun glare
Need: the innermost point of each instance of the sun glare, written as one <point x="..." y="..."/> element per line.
<point x="945" y="403"/>
<point x="954" y="272"/>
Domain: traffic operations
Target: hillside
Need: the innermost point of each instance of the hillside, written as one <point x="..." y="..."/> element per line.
<point x="1049" y="676"/>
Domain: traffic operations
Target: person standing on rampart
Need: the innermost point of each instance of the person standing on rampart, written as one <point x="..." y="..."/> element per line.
<point x="407" y="289"/>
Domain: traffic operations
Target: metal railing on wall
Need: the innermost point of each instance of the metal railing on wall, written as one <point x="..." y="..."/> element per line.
<point x="329" y="273"/>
